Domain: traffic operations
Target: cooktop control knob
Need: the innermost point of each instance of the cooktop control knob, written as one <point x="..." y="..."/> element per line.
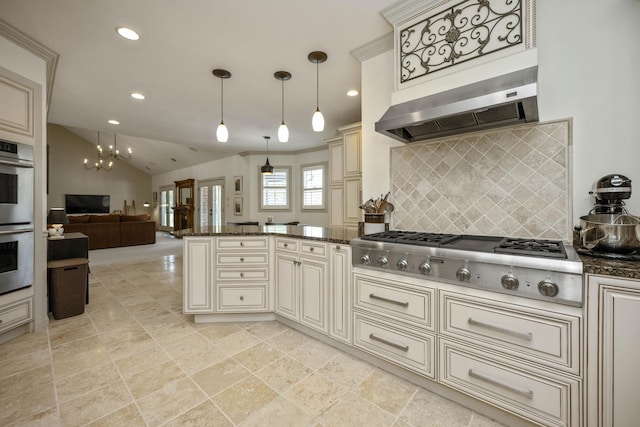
<point x="364" y="259"/>
<point x="402" y="265"/>
<point x="509" y="281"/>
<point x="548" y="288"/>
<point x="463" y="275"/>
<point x="425" y="268"/>
<point x="383" y="262"/>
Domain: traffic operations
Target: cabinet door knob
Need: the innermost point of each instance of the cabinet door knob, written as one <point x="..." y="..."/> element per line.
<point x="241" y="298"/>
<point x="241" y="259"/>
<point x="311" y="249"/>
<point x="338" y="247"/>
<point x="241" y="274"/>
<point x="241" y="243"/>
<point x="286" y="245"/>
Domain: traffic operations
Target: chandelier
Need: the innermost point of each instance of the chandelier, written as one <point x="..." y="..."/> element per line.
<point x="113" y="153"/>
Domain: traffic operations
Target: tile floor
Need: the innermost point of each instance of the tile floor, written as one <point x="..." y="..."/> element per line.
<point x="133" y="359"/>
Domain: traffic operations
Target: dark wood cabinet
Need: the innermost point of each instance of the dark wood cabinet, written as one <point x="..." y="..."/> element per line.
<point x="72" y="246"/>
<point x="183" y="210"/>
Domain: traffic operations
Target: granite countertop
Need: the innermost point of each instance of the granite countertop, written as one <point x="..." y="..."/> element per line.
<point x="332" y="235"/>
<point x="610" y="267"/>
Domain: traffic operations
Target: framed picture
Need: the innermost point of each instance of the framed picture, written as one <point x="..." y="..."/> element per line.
<point x="237" y="185"/>
<point x="237" y="206"/>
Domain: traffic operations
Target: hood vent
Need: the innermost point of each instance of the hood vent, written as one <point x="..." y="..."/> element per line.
<point x="500" y="101"/>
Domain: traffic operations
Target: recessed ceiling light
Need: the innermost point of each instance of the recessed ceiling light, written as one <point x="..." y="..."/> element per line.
<point x="352" y="92"/>
<point x="137" y="95"/>
<point x="128" y="33"/>
<point x="114" y="122"/>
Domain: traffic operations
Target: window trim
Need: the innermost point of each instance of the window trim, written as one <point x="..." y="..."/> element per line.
<point x="261" y="207"/>
<point x="325" y="168"/>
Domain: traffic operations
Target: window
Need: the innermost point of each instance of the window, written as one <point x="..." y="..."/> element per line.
<point x="313" y="193"/>
<point x="274" y="189"/>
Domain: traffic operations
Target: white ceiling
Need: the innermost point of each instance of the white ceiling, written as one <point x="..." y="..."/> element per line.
<point x="181" y="43"/>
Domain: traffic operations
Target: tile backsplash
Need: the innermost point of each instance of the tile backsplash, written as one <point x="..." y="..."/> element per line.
<point x="513" y="181"/>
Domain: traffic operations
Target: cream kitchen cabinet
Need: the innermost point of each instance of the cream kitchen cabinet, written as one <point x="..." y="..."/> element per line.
<point x="613" y="337"/>
<point x="198" y="279"/>
<point x="339" y="292"/>
<point x="345" y="177"/>
<point x="301" y="282"/>
<point x="352" y="155"/>
<point x="336" y="161"/>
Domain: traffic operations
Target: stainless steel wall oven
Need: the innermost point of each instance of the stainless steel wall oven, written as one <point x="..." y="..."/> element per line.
<point x="16" y="216"/>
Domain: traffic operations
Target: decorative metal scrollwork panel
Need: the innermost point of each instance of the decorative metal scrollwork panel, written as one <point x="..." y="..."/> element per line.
<point x="465" y="31"/>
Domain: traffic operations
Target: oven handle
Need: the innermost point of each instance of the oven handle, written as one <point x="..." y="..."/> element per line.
<point x="18" y="163"/>
<point x="21" y="230"/>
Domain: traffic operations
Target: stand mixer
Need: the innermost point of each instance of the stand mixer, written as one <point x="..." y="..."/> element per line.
<point x="610" y="193"/>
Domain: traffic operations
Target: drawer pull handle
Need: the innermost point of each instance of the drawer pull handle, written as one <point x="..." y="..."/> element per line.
<point x="286" y="245"/>
<point x="241" y="274"/>
<point x="482" y="377"/>
<point x="528" y="336"/>
<point x="338" y="247"/>
<point x="391" y="301"/>
<point x="1" y="321"/>
<point x="241" y="243"/>
<point x="241" y="298"/>
<point x="389" y="343"/>
<point x="311" y="249"/>
<point x="241" y="259"/>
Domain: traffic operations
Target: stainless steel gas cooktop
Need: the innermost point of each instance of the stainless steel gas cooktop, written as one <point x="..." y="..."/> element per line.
<point x="532" y="268"/>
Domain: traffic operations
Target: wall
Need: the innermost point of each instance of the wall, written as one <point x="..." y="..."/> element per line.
<point x="587" y="59"/>
<point x="249" y="168"/>
<point x="67" y="174"/>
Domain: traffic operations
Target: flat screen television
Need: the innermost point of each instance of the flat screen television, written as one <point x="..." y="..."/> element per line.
<point x="86" y="203"/>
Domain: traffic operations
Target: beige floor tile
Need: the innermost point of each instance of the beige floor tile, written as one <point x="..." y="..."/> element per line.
<point x="478" y="420"/>
<point x="129" y="416"/>
<point x="59" y="337"/>
<point x="95" y="404"/>
<point x="315" y="394"/>
<point x="70" y="349"/>
<point x="314" y="353"/>
<point x="138" y="298"/>
<point x="24" y="362"/>
<point x="28" y="343"/>
<point x="73" y="386"/>
<point x="145" y="359"/>
<point x="214" y="331"/>
<point x="244" y="398"/>
<point x="288" y="341"/>
<point x="25" y="381"/>
<point x="283" y="373"/>
<point x="442" y="412"/>
<point x="258" y="356"/>
<point x="235" y="343"/>
<point x="387" y="391"/>
<point x="47" y="418"/>
<point x="220" y="376"/>
<point x="193" y="353"/>
<point x="353" y="410"/>
<point x="130" y="344"/>
<point x="27" y="403"/>
<point x="173" y="399"/>
<point x="153" y="378"/>
<point x="266" y="330"/>
<point x="279" y="412"/>
<point x="79" y="363"/>
<point x="204" y="415"/>
<point x="346" y="370"/>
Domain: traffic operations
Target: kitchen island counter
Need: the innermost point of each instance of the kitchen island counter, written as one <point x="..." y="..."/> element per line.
<point x="610" y="267"/>
<point x="331" y="235"/>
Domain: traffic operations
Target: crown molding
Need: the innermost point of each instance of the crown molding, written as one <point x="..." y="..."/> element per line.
<point x="49" y="56"/>
<point x="407" y="9"/>
<point x="374" y="48"/>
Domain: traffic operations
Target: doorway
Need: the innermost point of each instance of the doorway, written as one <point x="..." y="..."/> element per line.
<point x="167" y="193"/>
<point x="211" y="203"/>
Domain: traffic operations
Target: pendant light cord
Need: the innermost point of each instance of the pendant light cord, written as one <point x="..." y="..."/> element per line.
<point x="221" y="100"/>
<point x="282" y="101"/>
<point x="317" y="87"/>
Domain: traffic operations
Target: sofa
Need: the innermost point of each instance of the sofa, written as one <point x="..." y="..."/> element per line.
<point x="112" y="231"/>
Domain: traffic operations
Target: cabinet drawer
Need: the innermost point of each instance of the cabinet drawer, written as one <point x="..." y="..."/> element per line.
<point x="543" y="337"/>
<point x="16" y="314"/>
<point x="539" y="396"/>
<point x="231" y="243"/>
<point x="242" y="298"/>
<point x="409" y="304"/>
<point x="289" y="245"/>
<point x="242" y="274"/>
<point x="313" y="248"/>
<point x="395" y="344"/>
<point x="223" y="258"/>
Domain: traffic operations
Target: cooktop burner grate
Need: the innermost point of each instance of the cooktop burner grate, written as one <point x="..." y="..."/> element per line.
<point x="533" y="247"/>
<point x="427" y="239"/>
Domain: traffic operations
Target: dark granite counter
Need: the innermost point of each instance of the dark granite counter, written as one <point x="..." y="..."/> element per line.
<point x="332" y="235"/>
<point x="609" y="267"/>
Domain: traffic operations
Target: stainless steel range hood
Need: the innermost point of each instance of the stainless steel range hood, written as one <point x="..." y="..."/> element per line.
<point x="500" y="101"/>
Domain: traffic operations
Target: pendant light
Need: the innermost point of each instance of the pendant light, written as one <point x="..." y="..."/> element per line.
<point x="317" y="122"/>
<point x="222" y="133"/>
<point x="283" y="131"/>
<point x="267" y="169"/>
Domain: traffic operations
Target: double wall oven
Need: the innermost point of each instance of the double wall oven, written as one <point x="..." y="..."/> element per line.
<point x="16" y="216"/>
